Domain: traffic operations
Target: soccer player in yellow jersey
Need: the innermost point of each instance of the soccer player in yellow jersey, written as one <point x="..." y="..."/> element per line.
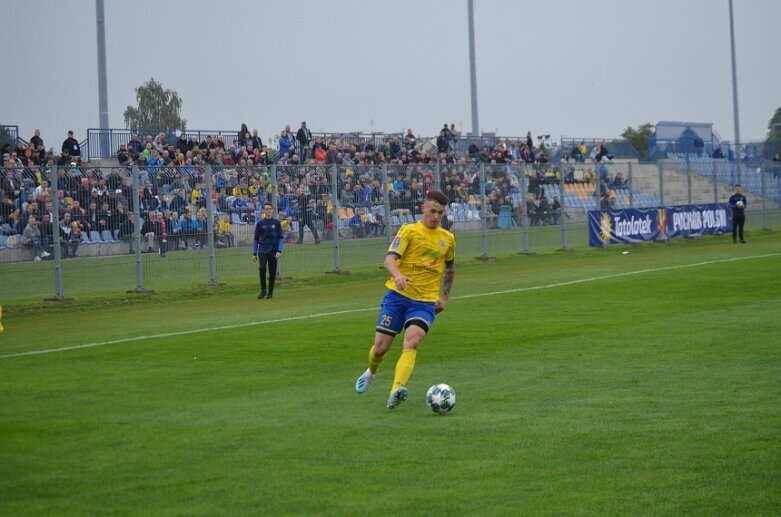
<point x="421" y="263"/>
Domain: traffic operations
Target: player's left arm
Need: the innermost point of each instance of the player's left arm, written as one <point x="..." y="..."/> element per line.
<point x="447" y="283"/>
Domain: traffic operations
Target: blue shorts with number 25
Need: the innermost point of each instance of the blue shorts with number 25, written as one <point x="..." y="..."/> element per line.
<point x="399" y="312"/>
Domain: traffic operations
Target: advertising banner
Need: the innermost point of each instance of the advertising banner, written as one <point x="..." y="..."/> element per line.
<point x="652" y="224"/>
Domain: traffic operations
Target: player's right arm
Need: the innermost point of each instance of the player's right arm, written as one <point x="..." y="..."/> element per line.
<point x="392" y="266"/>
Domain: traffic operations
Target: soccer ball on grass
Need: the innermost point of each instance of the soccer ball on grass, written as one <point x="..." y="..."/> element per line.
<point x="441" y="398"/>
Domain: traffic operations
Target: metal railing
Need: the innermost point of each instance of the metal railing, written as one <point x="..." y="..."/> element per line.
<point x="334" y="217"/>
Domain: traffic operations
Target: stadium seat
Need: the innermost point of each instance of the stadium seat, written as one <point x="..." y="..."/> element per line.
<point x="106" y="236"/>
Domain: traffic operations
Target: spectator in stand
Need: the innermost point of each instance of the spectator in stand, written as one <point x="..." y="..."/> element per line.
<point x="255" y="140"/>
<point x="543" y="210"/>
<point x="307" y="217"/>
<point x="182" y="144"/>
<point x="127" y="229"/>
<point x="699" y="145"/>
<point x="243" y="135"/>
<point x="148" y="232"/>
<point x="357" y="223"/>
<point x="47" y="233"/>
<point x="473" y="151"/>
<point x="188" y="228"/>
<point x="36" y="141"/>
<point x="603" y="155"/>
<point x="286" y="142"/>
<point x="70" y="236"/>
<point x="224" y="232"/>
<point x="71" y="145"/>
<point x="442" y="141"/>
<point x="119" y="221"/>
<point x="173" y="228"/>
<point x="199" y="228"/>
<point x="718" y="153"/>
<point x="135" y="147"/>
<point x="160" y="142"/>
<point x="555" y="210"/>
<point x="160" y="233"/>
<point x="123" y="156"/>
<point x="31" y="237"/>
<point x="304" y="138"/>
<point x="531" y="210"/>
<point x="576" y="154"/>
<point x="410" y="141"/>
<point x="106" y="222"/>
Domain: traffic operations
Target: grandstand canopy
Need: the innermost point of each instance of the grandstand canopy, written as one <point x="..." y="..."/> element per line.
<point x="667" y="130"/>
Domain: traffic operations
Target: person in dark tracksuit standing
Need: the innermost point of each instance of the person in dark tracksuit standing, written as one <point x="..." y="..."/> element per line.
<point x="267" y="248"/>
<point x="738" y="203"/>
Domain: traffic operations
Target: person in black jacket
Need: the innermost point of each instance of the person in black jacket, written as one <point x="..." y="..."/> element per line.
<point x="738" y="203"/>
<point x="71" y="146"/>
<point x="267" y="248"/>
<point x="307" y="217"/>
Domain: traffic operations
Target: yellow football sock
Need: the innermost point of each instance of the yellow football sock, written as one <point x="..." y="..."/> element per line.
<point x="404" y="368"/>
<point x="374" y="361"/>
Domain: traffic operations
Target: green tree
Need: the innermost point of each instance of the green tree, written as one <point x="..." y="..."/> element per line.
<point x="639" y="137"/>
<point x="157" y="108"/>
<point x="773" y="142"/>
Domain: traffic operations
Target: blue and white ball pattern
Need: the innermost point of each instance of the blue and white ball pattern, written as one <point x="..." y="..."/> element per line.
<point x="441" y="398"/>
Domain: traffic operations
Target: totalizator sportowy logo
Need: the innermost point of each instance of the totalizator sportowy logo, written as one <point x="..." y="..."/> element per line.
<point x="605" y="227"/>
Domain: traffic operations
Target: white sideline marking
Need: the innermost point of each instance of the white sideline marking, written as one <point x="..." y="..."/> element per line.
<point x="364" y="309"/>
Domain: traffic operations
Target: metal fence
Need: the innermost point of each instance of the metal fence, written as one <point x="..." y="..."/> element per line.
<point x="109" y="230"/>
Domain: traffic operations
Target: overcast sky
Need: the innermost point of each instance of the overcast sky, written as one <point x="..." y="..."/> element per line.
<point x="572" y="68"/>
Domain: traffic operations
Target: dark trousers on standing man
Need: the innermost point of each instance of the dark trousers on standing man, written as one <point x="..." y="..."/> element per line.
<point x="267" y="262"/>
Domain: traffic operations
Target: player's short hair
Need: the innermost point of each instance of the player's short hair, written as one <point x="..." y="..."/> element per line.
<point x="439" y="197"/>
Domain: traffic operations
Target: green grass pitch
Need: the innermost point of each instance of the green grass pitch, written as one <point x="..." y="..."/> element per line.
<point x="589" y="383"/>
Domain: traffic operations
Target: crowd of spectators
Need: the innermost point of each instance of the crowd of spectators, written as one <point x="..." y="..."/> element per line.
<point x="96" y="205"/>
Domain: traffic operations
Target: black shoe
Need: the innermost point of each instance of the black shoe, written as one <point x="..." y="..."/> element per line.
<point x="262" y="295"/>
<point x="268" y="297"/>
<point x="742" y="241"/>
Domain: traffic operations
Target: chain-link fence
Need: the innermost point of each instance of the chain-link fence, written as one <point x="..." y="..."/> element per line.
<point x="72" y="230"/>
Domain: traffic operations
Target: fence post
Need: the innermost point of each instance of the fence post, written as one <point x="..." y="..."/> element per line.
<point x="562" y="215"/>
<point x="483" y="213"/>
<point x="660" y="169"/>
<point x="334" y="187"/>
<point x="689" y="180"/>
<point x="763" y="190"/>
<point x="274" y="203"/>
<point x="386" y="204"/>
<point x="524" y="212"/>
<point x="715" y="183"/>
<point x="55" y="186"/>
<point x="137" y="229"/>
<point x="210" y="225"/>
